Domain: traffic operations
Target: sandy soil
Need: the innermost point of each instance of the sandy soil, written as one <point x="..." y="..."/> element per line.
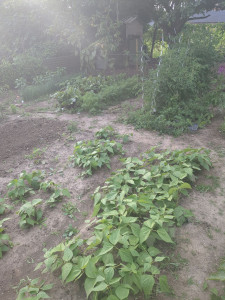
<point x="199" y="244"/>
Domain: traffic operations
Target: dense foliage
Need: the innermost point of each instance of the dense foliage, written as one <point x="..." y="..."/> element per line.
<point x="179" y="90"/>
<point x="92" y="155"/>
<point x="93" y="94"/>
<point x="135" y="213"/>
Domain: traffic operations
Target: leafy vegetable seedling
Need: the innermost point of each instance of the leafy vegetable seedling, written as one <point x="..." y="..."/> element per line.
<point x="34" y="289"/>
<point x="95" y="154"/>
<point x="4" y="206"/>
<point x="5" y="243"/>
<point x="29" y="214"/>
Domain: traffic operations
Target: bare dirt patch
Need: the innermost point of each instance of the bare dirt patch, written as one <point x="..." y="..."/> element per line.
<point x="22" y="135"/>
<point x="200" y="244"/>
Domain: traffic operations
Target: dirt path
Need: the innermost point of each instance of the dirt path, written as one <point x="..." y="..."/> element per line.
<point x="200" y="244"/>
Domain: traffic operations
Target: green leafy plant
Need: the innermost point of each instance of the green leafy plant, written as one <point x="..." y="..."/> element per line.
<point x="57" y="196"/>
<point x="109" y="132"/>
<point x="13" y="108"/>
<point x="95" y="154"/>
<point x="57" y="193"/>
<point x="134" y="215"/>
<point x="93" y="94"/>
<point x="29" y="214"/>
<point x="33" y="289"/>
<point x="70" y="231"/>
<point x="182" y="102"/>
<point x="20" y="83"/>
<point x="36" y="155"/>
<point x="69" y="209"/>
<point x="72" y="127"/>
<point x="4" y="207"/>
<point x="5" y="243"/>
<point x="106" y="133"/>
<point x="20" y="188"/>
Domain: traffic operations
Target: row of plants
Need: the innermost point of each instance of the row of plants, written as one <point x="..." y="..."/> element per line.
<point x="134" y="217"/>
<point x="95" y="93"/>
<point x="19" y="190"/>
<point x="88" y="155"/>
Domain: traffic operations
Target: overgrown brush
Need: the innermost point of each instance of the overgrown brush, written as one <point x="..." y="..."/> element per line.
<point x="93" y="94"/>
<point x="177" y="93"/>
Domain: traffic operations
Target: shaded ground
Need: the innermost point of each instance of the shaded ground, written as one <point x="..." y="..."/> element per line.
<point x="200" y="244"/>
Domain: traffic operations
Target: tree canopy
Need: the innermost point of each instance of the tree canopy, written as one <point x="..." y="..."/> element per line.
<point x="88" y="25"/>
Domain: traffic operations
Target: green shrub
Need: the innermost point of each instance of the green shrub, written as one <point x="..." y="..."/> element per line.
<point x="111" y="95"/>
<point x="92" y="94"/>
<point x="42" y="85"/>
<point x="178" y="91"/>
<point x="34" y="92"/>
<point x="23" y="65"/>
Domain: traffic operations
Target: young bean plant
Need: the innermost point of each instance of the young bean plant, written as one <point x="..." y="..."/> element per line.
<point x="33" y="289"/>
<point x="29" y="214"/>
<point x="95" y="154"/>
<point x="5" y="243"/>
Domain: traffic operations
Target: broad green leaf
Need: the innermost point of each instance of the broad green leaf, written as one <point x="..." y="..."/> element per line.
<point x="75" y="272"/>
<point x="91" y="270"/>
<point x="108" y="259"/>
<point x="109" y="273"/>
<point x="83" y="261"/>
<point x="96" y="210"/>
<point x="144" y="234"/>
<point x="153" y="251"/>
<point x="66" y="193"/>
<point x="133" y="240"/>
<point x="42" y="295"/>
<point x="149" y="223"/>
<point x="147" y="176"/>
<point x="220" y="275"/>
<point x="122" y="292"/>
<point x="106" y="248"/>
<point x="147" y="283"/>
<point x="185" y="186"/>
<point x="38" y="266"/>
<point x="128" y="220"/>
<point x="66" y="269"/>
<point x="112" y="297"/>
<point x="125" y="255"/>
<point x="89" y="285"/>
<point x="163" y="284"/>
<point x="159" y="258"/>
<point x="164" y="235"/>
<point x="47" y="287"/>
<point x="68" y="254"/>
<point x="101" y="287"/>
<point x="114" y="237"/>
<point x="135" y="228"/>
